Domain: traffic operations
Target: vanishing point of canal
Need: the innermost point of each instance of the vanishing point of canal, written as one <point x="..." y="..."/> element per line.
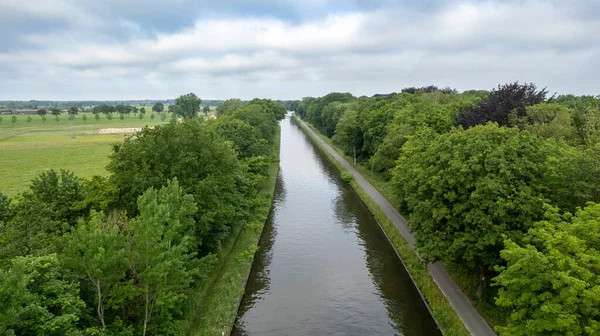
<point x="324" y="266"/>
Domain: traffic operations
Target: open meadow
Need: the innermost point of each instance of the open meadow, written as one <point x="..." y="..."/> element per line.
<point x="29" y="148"/>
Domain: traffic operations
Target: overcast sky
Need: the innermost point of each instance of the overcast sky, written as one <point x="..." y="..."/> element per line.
<point x="288" y="49"/>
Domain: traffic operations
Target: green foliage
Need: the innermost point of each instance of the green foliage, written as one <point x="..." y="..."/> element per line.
<point x="38" y="299"/>
<point x="163" y="116"/>
<point x="228" y="106"/>
<point x="109" y="116"/>
<point x="29" y="230"/>
<point x="97" y="251"/>
<point x="141" y="116"/>
<point x="206" y="109"/>
<point x="97" y="117"/>
<point x="152" y="115"/>
<point x="207" y="168"/>
<point x="28" y="119"/>
<point x="573" y="177"/>
<point x="551" y="280"/>
<point x="466" y="190"/>
<point x="41" y="112"/>
<point x="158" y="107"/>
<point x="347" y="177"/>
<point x="13" y="119"/>
<point x="84" y="117"/>
<point x="54" y="111"/>
<point x="122" y="116"/>
<point x="162" y="256"/>
<point x="143" y="110"/>
<point x="187" y="105"/>
<point x="246" y="138"/>
<point x="59" y="192"/>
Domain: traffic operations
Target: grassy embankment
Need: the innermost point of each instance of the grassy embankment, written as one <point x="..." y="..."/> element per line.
<point x="219" y="295"/>
<point x="448" y="320"/>
<point x="29" y="148"/>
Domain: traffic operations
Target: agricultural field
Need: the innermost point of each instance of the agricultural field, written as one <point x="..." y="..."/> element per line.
<point x="29" y="148"/>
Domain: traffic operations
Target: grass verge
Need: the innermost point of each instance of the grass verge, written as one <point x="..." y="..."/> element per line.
<point x="219" y="295"/>
<point x="449" y="322"/>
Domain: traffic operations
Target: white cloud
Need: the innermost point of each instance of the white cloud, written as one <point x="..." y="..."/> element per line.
<point x="464" y="45"/>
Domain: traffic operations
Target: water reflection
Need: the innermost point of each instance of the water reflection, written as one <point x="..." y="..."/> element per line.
<point x="324" y="266"/>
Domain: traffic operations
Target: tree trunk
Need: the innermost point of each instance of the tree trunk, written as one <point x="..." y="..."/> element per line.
<point x="100" y="308"/>
<point x="146" y="317"/>
<point x="481" y="284"/>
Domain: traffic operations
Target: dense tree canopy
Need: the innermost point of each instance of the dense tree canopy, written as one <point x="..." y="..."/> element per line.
<point x="551" y="280"/>
<point x="187" y="105"/>
<point x="472" y="172"/>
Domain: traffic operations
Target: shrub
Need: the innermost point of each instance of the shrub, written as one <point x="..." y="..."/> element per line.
<point x="84" y="117"/>
<point x="13" y="119"/>
<point x="28" y="119"/>
<point x="152" y="116"/>
<point x="347" y="177"/>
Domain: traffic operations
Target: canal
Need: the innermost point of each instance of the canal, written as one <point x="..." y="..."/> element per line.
<point x="324" y="266"/>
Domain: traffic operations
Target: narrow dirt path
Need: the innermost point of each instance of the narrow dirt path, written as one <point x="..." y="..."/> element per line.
<point x="461" y="303"/>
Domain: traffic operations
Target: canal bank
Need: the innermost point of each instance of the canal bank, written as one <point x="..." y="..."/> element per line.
<point x="324" y="266"/>
<point x="219" y="295"/>
<point x="451" y="307"/>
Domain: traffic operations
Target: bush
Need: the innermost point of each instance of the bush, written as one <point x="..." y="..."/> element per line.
<point x="121" y="116"/>
<point x="28" y="119"/>
<point x="43" y="118"/>
<point x="347" y="177"/>
<point x="140" y="116"/>
<point x="152" y="116"/>
<point x="84" y="117"/>
<point x="0" y="120"/>
<point x="163" y="117"/>
<point x="13" y="119"/>
<point x="97" y="117"/>
<point x="109" y="116"/>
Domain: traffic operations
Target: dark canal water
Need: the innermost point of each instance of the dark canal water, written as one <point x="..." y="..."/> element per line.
<point x="324" y="266"/>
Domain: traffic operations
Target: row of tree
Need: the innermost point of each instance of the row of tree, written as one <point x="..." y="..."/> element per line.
<point x="503" y="184"/>
<point x="120" y="255"/>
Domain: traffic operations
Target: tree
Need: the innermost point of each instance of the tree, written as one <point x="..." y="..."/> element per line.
<point x="54" y="111"/>
<point x="84" y="117"/>
<point x="43" y="118"/>
<point x="206" y="109"/>
<point x="142" y="110"/>
<point x="73" y="111"/>
<point x="246" y="139"/>
<point x="13" y="119"/>
<point x="28" y="119"/>
<point x="163" y="249"/>
<point x="228" y="106"/>
<point x="551" y="279"/>
<point x="140" y="116"/>
<point x="187" y="105"/>
<point x="208" y="169"/>
<point x="158" y="107"/>
<point x="348" y="133"/>
<point x="97" y="116"/>
<point x="152" y="116"/>
<point x="121" y="116"/>
<point x="97" y="251"/>
<point x="509" y="100"/>
<point x="465" y="191"/>
<point x="41" y="112"/>
<point x="38" y="299"/>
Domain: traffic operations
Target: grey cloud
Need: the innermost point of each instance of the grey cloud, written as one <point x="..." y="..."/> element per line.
<point x="465" y="45"/>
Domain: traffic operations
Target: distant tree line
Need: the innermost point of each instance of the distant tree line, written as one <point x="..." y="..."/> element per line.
<point x="122" y="254"/>
<point x="501" y="186"/>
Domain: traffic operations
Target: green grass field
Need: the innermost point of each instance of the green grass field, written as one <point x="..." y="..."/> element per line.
<point x="29" y="148"/>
